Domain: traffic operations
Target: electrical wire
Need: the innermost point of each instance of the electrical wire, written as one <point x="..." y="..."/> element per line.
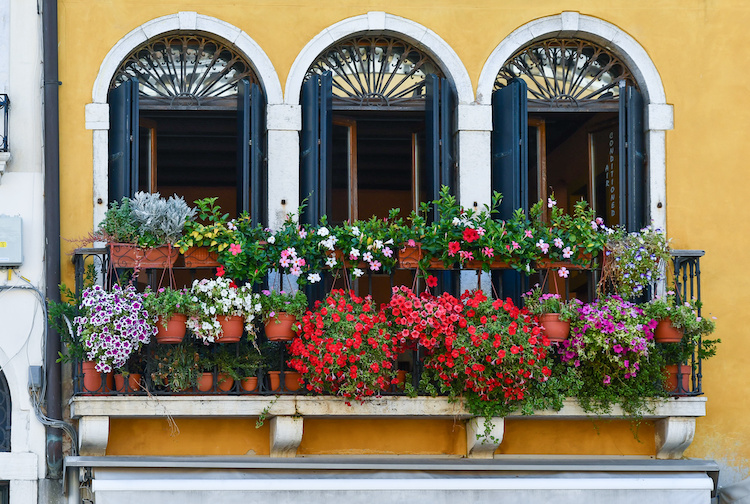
<point x="38" y="395"/>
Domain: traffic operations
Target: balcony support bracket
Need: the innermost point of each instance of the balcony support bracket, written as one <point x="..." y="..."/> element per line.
<point x="93" y="435"/>
<point x="483" y="436"/>
<point x="4" y="159"/>
<point x="673" y="436"/>
<point x="286" y="435"/>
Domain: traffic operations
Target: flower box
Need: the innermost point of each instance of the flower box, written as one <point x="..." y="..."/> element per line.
<point x="201" y="257"/>
<point x="127" y="255"/>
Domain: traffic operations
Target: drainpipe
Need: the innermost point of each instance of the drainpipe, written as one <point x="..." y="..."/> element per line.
<point x="52" y="229"/>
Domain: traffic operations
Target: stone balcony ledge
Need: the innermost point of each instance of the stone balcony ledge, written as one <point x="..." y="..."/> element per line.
<point x="674" y="418"/>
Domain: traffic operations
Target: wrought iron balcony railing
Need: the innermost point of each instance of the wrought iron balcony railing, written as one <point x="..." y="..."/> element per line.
<point x="4" y="108"/>
<point x="94" y="263"/>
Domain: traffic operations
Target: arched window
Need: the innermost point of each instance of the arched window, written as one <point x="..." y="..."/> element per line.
<point x="199" y="113"/>
<point x="568" y="120"/>
<point x="5" y="411"/>
<point x="377" y="129"/>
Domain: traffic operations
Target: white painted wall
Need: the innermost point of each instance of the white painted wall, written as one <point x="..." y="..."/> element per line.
<point x="21" y="193"/>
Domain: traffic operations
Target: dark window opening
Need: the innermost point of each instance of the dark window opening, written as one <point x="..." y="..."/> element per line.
<point x="189" y="153"/>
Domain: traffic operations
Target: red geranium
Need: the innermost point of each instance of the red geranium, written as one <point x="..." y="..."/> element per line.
<point x="344" y="347"/>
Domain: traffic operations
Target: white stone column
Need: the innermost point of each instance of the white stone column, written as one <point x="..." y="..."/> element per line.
<point x="284" y="123"/>
<point x="474" y="171"/>
<point x="286" y="435"/>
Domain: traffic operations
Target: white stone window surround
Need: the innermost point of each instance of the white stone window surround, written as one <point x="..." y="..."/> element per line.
<point x="474" y="118"/>
<point x="659" y="116"/>
<point x="21" y="466"/>
<point x="469" y="125"/>
<point x="97" y="112"/>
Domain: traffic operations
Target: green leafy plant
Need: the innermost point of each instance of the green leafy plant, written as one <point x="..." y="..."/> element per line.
<point x="165" y="302"/>
<point x="176" y="366"/>
<point x="221" y="296"/>
<point x="539" y="303"/>
<point x="274" y="302"/>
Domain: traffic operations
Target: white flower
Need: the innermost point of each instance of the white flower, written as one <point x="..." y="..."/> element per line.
<point x="354" y="253"/>
<point x="378" y="244"/>
<point x="357" y="272"/>
<point x="271" y="240"/>
<point x="331" y="262"/>
<point x="551" y="202"/>
<point x="323" y="231"/>
<point x="367" y="257"/>
<point x="355" y="230"/>
<point x="456" y="221"/>
<point x="313" y="278"/>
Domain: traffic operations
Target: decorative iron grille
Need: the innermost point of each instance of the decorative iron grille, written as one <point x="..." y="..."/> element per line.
<point x="185" y="69"/>
<point x="376" y="71"/>
<point x="5" y="411"/>
<point x="4" y="107"/>
<point x="564" y="72"/>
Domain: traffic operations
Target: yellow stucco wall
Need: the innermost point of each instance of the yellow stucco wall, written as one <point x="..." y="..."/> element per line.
<point x="696" y="45"/>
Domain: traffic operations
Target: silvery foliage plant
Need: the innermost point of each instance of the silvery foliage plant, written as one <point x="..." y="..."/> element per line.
<point x="164" y="218"/>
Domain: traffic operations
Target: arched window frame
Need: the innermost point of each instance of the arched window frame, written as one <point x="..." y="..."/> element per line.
<point x="659" y="116"/>
<point x="97" y="112"/>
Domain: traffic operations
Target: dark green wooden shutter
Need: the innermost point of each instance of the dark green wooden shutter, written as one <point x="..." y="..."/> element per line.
<point x="258" y="165"/>
<point x="243" y="146"/>
<point x="510" y="166"/>
<point x="316" y="146"/>
<point x="510" y="153"/>
<point x="633" y="175"/>
<point x="123" y="140"/>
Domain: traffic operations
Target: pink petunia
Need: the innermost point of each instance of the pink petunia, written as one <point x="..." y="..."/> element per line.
<point x="235" y="249"/>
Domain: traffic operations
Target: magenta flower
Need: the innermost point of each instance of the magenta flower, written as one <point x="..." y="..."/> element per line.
<point x="235" y="249"/>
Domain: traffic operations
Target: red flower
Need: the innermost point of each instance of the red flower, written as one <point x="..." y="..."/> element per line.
<point x="220" y="271"/>
<point x="470" y="235"/>
<point x="453" y="248"/>
<point x="432" y="281"/>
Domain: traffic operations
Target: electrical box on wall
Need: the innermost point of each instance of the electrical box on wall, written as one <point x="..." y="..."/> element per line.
<point x="11" y="241"/>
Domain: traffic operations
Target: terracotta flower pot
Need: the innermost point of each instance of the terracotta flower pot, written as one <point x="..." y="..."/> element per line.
<point x="280" y="327"/>
<point x="670" y="383"/>
<point x="132" y="384"/>
<point x="224" y="382"/>
<point x="249" y="384"/>
<point x="205" y="382"/>
<point x="666" y="333"/>
<point x="175" y="330"/>
<point x="232" y="328"/>
<point x="93" y="381"/>
<point x="291" y="380"/>
<point x="554" y="328"/>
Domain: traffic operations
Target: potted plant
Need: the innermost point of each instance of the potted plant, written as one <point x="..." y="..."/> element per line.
<point x="282" y="376"/>
<point x="344" y="347"/>
<point x="610" y="353"/>
<point x="553" y="312"/>
<point x="250" y="363"/>
<point x="112" y="325"/>
<point x="222" y="310"/>
<point x="369" y="245"/>
<point x="226" y="362"/>
<point x="564" y="240"/>
<point x="145" y="221"/>
<point x="496" y="362"/>
<point x="169" y="308"/>
<point x="633" y="261"/>
<point x="281" y="312"/>
<point x="176" y="367"/>
<point x="681" y="332"/>
<point x="129" y="377"/>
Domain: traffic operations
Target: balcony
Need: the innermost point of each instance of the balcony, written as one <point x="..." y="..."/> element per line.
<point x="286" y="409"/>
